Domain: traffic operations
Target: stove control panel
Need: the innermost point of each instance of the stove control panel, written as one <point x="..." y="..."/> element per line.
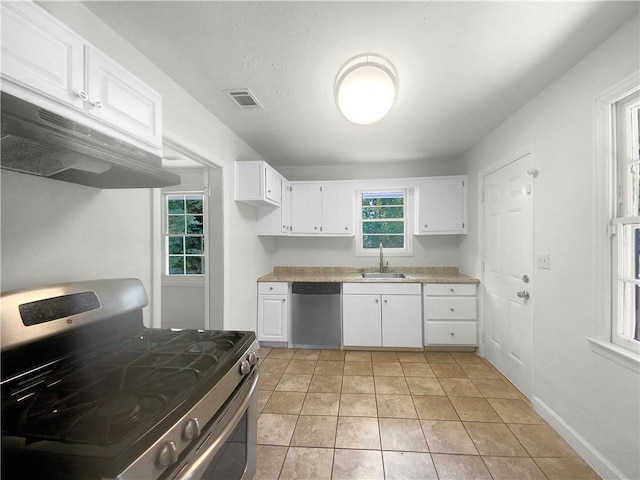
<point x="49" y="309"/>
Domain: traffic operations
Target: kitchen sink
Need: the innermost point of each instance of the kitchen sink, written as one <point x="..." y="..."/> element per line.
<point x="378" y="275"/>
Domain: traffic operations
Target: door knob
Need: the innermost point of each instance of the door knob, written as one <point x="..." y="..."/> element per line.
<point x="525" y="278"/>
<point x="523" y="294"/>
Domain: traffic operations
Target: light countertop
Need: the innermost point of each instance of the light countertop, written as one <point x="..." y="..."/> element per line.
<point x="353" y="274"/>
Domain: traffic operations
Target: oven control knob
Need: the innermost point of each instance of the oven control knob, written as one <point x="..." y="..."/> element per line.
<point x="245" y="368"/>
<point x="253" y="358"/>
<point x="168" y="454"/>
<point x="191" y="429"/>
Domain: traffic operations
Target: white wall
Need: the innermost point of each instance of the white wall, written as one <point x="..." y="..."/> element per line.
<point x="186" y="122"/>
<point x="591" y="400"/>
<point x="55" y="232"/>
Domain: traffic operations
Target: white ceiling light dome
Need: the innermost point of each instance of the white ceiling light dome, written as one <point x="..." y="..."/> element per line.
<point x="366" y="88"/>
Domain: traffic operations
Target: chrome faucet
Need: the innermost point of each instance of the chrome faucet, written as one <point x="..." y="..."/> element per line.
<point x="381" y="258"/>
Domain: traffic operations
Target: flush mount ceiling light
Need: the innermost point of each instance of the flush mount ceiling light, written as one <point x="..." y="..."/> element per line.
<point x="366" y="88"/>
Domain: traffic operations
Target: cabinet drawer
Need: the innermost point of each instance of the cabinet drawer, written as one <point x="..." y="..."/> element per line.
<point x="450" y="308"/>
<point x="273" y="288"/>
<point x="451" y="333"/>
<point x="450" y="289"/>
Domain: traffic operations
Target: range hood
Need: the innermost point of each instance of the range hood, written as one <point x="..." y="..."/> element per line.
<point x="39" y="142"/>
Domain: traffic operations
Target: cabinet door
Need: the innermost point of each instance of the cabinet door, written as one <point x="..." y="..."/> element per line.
<point x="305" y="208"/>
<point x="272" y="318"/>
<point x="121" y="100"/>
<point x="337" y="209"/>
<point x="401" y="321"/>
<point x="361" y="321"/>
<point x="273" y="184"/>
<point x="41" y="55"/>
<point x="285" y="208"/>
<point x="442" y="205"/>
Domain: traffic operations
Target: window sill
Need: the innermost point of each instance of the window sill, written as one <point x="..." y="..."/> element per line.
<point x="617" y="354"/>
<point x="183" y="280"/>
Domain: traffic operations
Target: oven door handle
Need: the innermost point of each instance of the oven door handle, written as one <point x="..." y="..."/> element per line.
<point x="198" y="467"/>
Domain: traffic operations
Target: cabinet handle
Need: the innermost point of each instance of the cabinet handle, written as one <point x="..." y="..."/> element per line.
<point x="385" y="302"/>
<point x="453" y="334"/>
<point x="451" y="290"/>
<point x="346" y="228"/>
<point x="452" y="309"/>
<point x="270" y="288"/>
<point x="284" y="299"/>
<point x="97" y="104"/>
<point x="82" y="95"/>
<point x="426" y="226"/>
<point x="377" y="300"/>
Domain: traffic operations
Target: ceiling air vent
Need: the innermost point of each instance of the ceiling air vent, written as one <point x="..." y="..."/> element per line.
<point x="244" y="98"/>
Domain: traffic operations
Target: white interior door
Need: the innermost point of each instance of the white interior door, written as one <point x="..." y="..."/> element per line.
<point x="508" y="271"/>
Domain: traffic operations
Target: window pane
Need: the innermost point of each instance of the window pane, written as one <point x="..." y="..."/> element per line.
<point x="176" y="246"/>
<point x="176" y="224"/>
<point x="176" y="265"/>
<point x="193" y="245"/>
<point x="194" y="224"/>
<point x="370" y="213"/>
<point x="194" y="205"/>
<point x="379" y="199"/>
<point x="195" y="265"/>
<point x="388" y="241"/>
<point x="175" y="205"/>
<point x="383" y="227"/>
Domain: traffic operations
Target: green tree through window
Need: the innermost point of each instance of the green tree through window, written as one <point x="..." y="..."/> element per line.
<point x="185" y="240"/>
<point x="383" y="219"/>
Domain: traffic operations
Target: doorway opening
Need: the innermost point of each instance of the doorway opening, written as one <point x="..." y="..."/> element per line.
<point x="188" y="288"/>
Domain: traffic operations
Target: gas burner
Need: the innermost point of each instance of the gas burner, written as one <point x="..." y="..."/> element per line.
<point x="118" y="410"/>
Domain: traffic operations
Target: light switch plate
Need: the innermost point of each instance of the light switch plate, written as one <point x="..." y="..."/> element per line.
<point x="542" y="261"/>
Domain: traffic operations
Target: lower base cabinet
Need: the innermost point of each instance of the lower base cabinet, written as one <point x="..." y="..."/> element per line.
<point x="450" y="314"/>
<point x="273" y="312"/>
<point x="382" y="315"/>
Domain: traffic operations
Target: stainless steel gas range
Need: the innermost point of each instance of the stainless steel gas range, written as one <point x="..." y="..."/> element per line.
<point x="89" y="393"/>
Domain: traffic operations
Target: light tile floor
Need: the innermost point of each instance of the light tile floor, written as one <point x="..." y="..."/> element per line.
<point x="329" y="414"/>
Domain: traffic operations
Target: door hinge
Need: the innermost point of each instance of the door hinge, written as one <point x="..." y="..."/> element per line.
<point x="462" y="224"/>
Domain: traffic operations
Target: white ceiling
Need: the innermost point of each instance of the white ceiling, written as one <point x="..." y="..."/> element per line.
<point x="463" y="67"/>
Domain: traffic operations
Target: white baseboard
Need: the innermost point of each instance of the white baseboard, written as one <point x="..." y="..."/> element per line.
<point x="588" y="452"/>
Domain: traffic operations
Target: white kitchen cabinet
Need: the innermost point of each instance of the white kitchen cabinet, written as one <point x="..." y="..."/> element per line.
<point x="382" y="315"/>
<point x="272" y="220"/>
<point x="306" y="208"/>
<point x="118" y="98"/>
<point x="257" y="183"/>
<point x="47" y="64"/>
<point x="442" y="205"/>
<point x="337" y="209"/>
<point x="450" y="314"/>
<point x="361" y="320"/>
<point x="321" y="208"/>
<point x="41" y="55"/>
<point x="273" y="312"/>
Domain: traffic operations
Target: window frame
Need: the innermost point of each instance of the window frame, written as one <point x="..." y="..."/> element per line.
<point x="193" y="277"/>
<point x="604" y="233"/>
<point x="407" y="250"/>
<point x="624" y="155"/>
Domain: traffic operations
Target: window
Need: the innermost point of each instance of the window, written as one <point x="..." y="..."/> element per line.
<point x="383" y="220"/>
<point x="625" y="328"/>
<point x="184" y="232"/>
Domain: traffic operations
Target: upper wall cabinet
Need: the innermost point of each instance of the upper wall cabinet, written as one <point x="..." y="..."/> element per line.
<point x="258" y="184"/>
<point x="321" y="208"/>
<point x="47" y="64"/>
<point x="442" y="205"/>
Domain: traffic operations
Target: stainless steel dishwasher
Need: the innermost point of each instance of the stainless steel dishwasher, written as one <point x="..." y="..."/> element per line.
<point x="316" y="315"/>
